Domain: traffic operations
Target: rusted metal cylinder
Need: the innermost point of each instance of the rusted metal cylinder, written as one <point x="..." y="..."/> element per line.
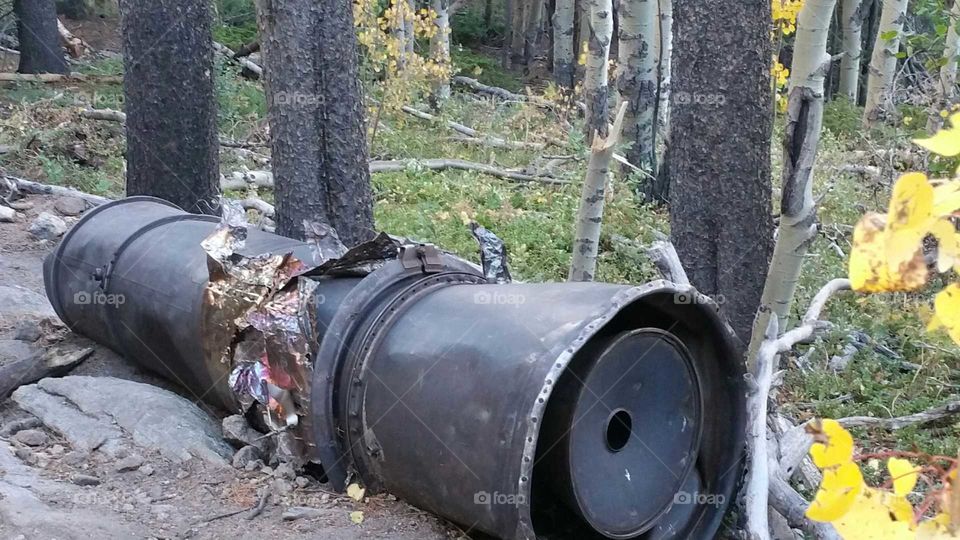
<point x="565" y="410"/>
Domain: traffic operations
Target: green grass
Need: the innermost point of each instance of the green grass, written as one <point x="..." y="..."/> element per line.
<point x="536" y="222"/>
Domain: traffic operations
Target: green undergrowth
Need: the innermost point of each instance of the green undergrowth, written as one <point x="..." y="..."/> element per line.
<point x="536" y="220"/>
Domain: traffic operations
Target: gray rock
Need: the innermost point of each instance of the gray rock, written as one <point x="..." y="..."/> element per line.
<point x="31" y="437"/>
<point x="7" y="214"/>
<point x="285" y="471"/>
<point x="85" y="480"/>
<point x="76" y="458"/>
<point x="12" y="350"/>
<point x="25" y="455"/>
<point x="17" y="425"/>
<point x="238" y="432"/>
<point x="146" y="470"/>
<point x="129" y="463"/>
<point x="254" y="465"/>
<point x="246" y="455"/>
<point x="47" y="226"/>
<point x="70" y="206"/>
<point x="101" y="413"/>
<point x="301" y="512"/>
<point x="302" y="482"/>
<point x="28" y="331"/>
<point x="21" y="303"/>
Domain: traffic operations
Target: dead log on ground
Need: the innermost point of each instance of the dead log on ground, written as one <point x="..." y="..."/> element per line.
<point x="925" y="417"/>
<point x="37" y="188"/>
<point x="74" y="45"/>
<point x="255" y="71"/>
<point x="56" y="77"/>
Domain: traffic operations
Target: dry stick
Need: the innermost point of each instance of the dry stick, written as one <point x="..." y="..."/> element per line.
<point x="505" y="94"/>
<point x="925" y="417"/>
<point x="441" y="164"/>
<point x="260" y="505"/>
<point x="792" y="506"/>
<point x="56" y="77"/>
<point x="665" y="258"/>
<point x="43" y="189"/>
<point x="757" y="490"/>
<point x="111" y="115"/>
<point x="586" y="239"/>
<point x="228" y="53"/>
<point x="499" y="143"/>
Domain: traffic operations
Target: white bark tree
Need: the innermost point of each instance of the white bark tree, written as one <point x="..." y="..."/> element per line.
<point x="598" y="59"/>
<point x="665" y="52"/>
<point x="563" y="46"/>
<point x="408" y="31"/>
<point x="586" y="239"/>
<point x="883" y="63"/>
<point x="798" y="212"/>
<point x="852" y="21"/>
<point x="440" y="49"/>
<point x="947" y="83"/>
<point x="637" y="78"/>
<point x="531" y="29"/>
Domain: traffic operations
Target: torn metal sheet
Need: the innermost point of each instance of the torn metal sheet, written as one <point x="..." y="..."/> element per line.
<point x="493" y="255"/>
<point x="362" y="259"/>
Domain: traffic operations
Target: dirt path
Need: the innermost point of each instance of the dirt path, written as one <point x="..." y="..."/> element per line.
<point x="50" y="488"/>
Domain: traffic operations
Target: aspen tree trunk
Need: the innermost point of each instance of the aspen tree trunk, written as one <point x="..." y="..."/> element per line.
<point x="666" y="51"/>
<point x="595" y="78"/>
<point x="531" y="30"/>
<point x="440" y="49"/>
<point x="851" y="14"/>
<point x="586" y="239"/>
<point x="798" y="212"/>
<point x="317" y="135"/>
<point x="408" y="31"/>
<point x="637" y="80"/>
<point x="40" y="50"/>
<point x="883" y="63"/>
<point x="946" y="87"/>
<point x="168" y="89"/>
<point x="517" y="36"/>
<point x="563" y="46"/>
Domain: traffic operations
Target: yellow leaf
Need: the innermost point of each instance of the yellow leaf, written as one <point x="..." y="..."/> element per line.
<point x="833" y="446"/>
<point x="945" y="142"/>
<point x="869" y="268"/>
<point x="909" y="217"/>
<point x="356" y="517"/>
<point x="947" y="308"/>
<point x="948" y="245"/>
<point x="946" y="198"/>
<point x="355" y="492"/>
<point x="904" y="475"/>
<point x="870" y="518"/>
<point x="838" y="490"/>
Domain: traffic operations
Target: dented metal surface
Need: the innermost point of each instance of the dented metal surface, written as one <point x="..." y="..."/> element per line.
<point x="414" y="371"/>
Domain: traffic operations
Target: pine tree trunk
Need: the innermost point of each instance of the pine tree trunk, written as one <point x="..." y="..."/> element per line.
<point x="595" y="79"/>
<point x="946" y="85"/>
<point x="798" y="212"/>
<point x="168" y="88"/>
<point x="440" y="50"/>
<point x="317" y="134"/>
<point x="666" y="51"/>
<point x="637" y="80"/>
<point x="563" y="43"/>
<point x="40" y="50"/>
<point x="719" y="153"/>
<point x="517" y="36"/>
<point x="852" y="16"/>
<point x="507" y="33"/>
<point x="883" y="63"/>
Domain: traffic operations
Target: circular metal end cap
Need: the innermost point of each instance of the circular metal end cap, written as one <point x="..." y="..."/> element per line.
<point x="636" y="432"/>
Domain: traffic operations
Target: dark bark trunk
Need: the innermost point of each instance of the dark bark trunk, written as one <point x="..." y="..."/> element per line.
<point x="507" y="33"/>
<point x="873" y="25"/>
<point x="172" y="147"/>
<point x="719" y="161"/>
<point x="317" y="132"/>
<point x="40" y="50"/>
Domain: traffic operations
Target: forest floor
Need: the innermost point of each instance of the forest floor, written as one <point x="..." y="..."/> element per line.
<point x="898" y="369"/>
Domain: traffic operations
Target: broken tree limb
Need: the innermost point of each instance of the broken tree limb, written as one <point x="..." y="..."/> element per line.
<point x="37" y="188"/>
<point x="792" y="506"/>
<point x="758" y="482"/>
<point x="499" y="143"/>
<point x="247" y="49"/>
<point x="586" y="238"/>
<point x="74" y="45"/>
<point x="506" y="95"/>
<point x="108" y="115"/>
<point x="665" y="258"/>
<point x="252" y="203"/>
<point x="946" y="410"/>
<point x="56" y="77"/>
<point x="441" y="164"/>
<point x="48" y="363"/>
<point x="256" y="72"/>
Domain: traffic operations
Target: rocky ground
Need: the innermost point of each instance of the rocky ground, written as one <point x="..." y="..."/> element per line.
<point x="108" y="451"/>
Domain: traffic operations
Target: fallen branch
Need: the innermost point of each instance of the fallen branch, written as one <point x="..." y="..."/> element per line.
<point x="441" y="164"/>
<point x="792" y="506"/>
<point x="255" y="70"/>
<point x="506" y="95"/>
<point x="252" y="203"/>
<point x="37" y="188"/>
<point x="499" y="143"/>
<point x="665" y="258"/>
<point x="925" y="417"/>
<point x="48" y="363"/>
<point x="245" y="179"/>
<point x="759" y="479"/>
<point x="74" y="45"/>
<point x="56" y="77"/>
<point x="108" y="115"/>
<point x="248" y="49"/>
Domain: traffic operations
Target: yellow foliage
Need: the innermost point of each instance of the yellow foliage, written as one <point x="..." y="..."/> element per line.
<point x="869" y="267"/>
<point x="861" y="512"/>
<point x="785" y="15"/>
<point x="945" y="142"/>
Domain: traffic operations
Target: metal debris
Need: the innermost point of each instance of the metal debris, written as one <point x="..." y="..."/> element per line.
<point x="493" y="254"/>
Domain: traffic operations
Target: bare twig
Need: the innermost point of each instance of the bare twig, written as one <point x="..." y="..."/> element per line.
<point x="257" y="510"/>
